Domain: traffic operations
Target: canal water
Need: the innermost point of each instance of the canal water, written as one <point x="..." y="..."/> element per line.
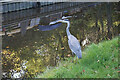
<point x="39" y="50"/>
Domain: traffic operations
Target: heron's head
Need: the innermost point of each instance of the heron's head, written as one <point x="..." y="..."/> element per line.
<point x="63" y="20"/>
<point x="59" y="21"/>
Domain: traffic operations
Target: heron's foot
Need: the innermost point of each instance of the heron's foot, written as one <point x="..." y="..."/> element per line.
<point x="72" y="60"/>
<point x="75" y="60"/>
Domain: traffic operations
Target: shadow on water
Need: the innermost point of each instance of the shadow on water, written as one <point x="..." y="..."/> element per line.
<point x="43" y="49"/>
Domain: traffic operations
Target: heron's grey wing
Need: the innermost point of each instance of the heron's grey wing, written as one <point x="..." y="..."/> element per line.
<point x="73" y="43"/>
<point x="70" y="46"/>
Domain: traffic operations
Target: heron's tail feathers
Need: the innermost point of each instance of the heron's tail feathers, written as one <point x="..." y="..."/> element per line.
<point x="79" y="55"/>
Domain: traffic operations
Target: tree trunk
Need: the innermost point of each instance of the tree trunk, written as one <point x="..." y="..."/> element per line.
<point x="96" y="22"/>
<point x="109" y="20"/>
<point x="100" y="18"/>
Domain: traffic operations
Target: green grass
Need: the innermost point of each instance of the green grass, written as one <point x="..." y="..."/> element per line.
<point x="98" y="61"/>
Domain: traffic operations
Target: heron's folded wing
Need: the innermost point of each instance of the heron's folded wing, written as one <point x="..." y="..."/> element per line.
<point x="74" y="43"/>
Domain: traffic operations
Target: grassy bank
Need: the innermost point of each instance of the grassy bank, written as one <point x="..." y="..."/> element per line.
<point x="99" y="61"/>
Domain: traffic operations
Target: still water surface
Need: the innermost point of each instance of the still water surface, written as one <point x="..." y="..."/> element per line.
<point x="43" y="49"/>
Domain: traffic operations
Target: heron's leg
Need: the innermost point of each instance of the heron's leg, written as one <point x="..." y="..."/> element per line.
<point x="72" y="57"/>
<point x="76" y="59"/>
<point x="72" y="54"/>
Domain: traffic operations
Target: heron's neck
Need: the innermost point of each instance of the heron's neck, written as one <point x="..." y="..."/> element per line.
<point x="67" y="29"/>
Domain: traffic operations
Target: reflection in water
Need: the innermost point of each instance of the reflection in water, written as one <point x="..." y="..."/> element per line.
<point x="34" y="22"/>
<point x="49" y="27"/>
<point x="23" y="26"/>
<point x="47" y="48"/>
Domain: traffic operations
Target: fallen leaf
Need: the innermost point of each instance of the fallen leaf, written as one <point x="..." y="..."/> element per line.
<point x="98" y="60"/>
<point x="107" y="66"/>
<point x="95" y="71"/>
<point x="62" y="48"/>
<point x="83" y="70"/>
<point x="7" y="46"/>
<point x="108" y="75"/>
<point x="115" y="67"/>
<point x="112" y="59"/>
<point x="118" y="71"/>
<point x="68" y="55"/>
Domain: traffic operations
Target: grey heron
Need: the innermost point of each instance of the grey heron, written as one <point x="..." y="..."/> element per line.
<point x="74" y="44"/>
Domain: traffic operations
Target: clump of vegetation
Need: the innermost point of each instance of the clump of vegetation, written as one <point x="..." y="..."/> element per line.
<point x="99" y="61"/>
